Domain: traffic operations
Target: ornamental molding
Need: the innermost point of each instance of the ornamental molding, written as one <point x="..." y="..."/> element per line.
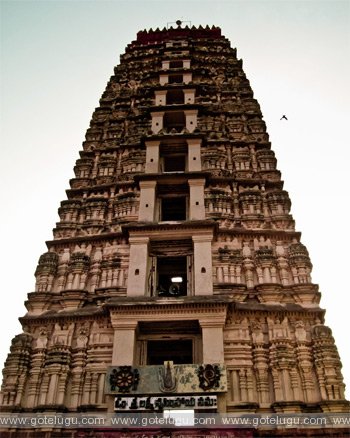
<point x="95" y="314"/>
<point x="105" y="237"/>
<point x="310" y="315"/>
<point x="215" y="312"/>
<point x="285" y="236"/>
<point x="179" y="230"/>
<point x="207" y="302"/>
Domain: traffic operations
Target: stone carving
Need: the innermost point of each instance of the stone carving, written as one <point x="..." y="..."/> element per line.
<point x="82" y="337"/>
<point x="167" y="378"/>
<point x="322" y="332"/>
<point x="62" y="334"/>
<point x="209" y="376"/>
<point x="124" y="378"/>
<point x="257" y="334"/>
<point x="246" y="250"/>
<point x="45" y="271"/>
<point x="41" y="341"/>
<point x="278" y="328"/>
<point x="300" y="332"/>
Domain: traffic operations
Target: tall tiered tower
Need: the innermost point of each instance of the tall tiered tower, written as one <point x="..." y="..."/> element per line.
<point x="175" y="268"/>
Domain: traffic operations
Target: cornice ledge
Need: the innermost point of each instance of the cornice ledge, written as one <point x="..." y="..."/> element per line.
<point x="170" y="176"/>
<point x="286" y="307"/>
<point x="240" y="231"/>
<point x="156" y="226"/>
<point x="89" y="311"/>
<point x="156" y="302"/>
<point x="87" y="238"/>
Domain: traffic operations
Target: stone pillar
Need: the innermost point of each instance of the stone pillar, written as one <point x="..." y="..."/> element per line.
<point x="52" y="386"/>
<point x="157" y="121"/>
<point x="152" y="157"/>
<point x="137" y="266"/>
<point x="189" y="95"/>
<point x="160" y="97"/>
<point x="194" y="155"/>
<point x="163" y="79"/>
<point x="197" y="209"/>
<point x="165" y="65"/>
<point x="147" y="201"/>
<point x="124" y="341"/>
<point x="213" y="341"/>
<point x="261" y="368"/>
<point x="203" y="279"/>
<point x="191" y="120"/>
<point x="187" y="78"/>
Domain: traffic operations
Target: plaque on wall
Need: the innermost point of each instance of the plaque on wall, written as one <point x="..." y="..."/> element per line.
<point x="159" y="403"/>
<point x="166" y="379"/>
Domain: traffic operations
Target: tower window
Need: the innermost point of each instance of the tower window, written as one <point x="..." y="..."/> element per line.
<point x="174" y="163"/>
<point x="173" y="158"/>
<point x="175" y="79"/>
<point x="170" y="273"/>
<point x="176" y="64"/>
<point x="173" y="208"/>
<point x="172" y="276"/>
<point x="175" y="96"/>
<point x="175" y="120"/>
<point x="178" y="351"/>
<point x="170" y="340"/>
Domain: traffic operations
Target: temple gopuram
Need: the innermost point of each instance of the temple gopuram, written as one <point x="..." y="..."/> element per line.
<point x="175" y="279"/>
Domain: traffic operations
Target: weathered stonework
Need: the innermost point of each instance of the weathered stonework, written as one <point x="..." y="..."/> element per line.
<point x="176" y="179"/>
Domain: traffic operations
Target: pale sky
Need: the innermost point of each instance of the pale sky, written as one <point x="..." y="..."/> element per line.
<point x="56" y="59"/>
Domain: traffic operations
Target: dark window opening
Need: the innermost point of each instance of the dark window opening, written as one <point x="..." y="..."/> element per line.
<point x="176" y="64"/>
<point x="174" y="163"/>
<point x="172" y="276"/>
<point x="175" y="97"/>
<point x="175" y="79"/>
<point x="175" y="120"/>
<point x="173" y="209"/>
<point x="178" y="351"/>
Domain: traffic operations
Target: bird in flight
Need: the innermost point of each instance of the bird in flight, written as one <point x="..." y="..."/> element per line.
<point x="283" y="117"/>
